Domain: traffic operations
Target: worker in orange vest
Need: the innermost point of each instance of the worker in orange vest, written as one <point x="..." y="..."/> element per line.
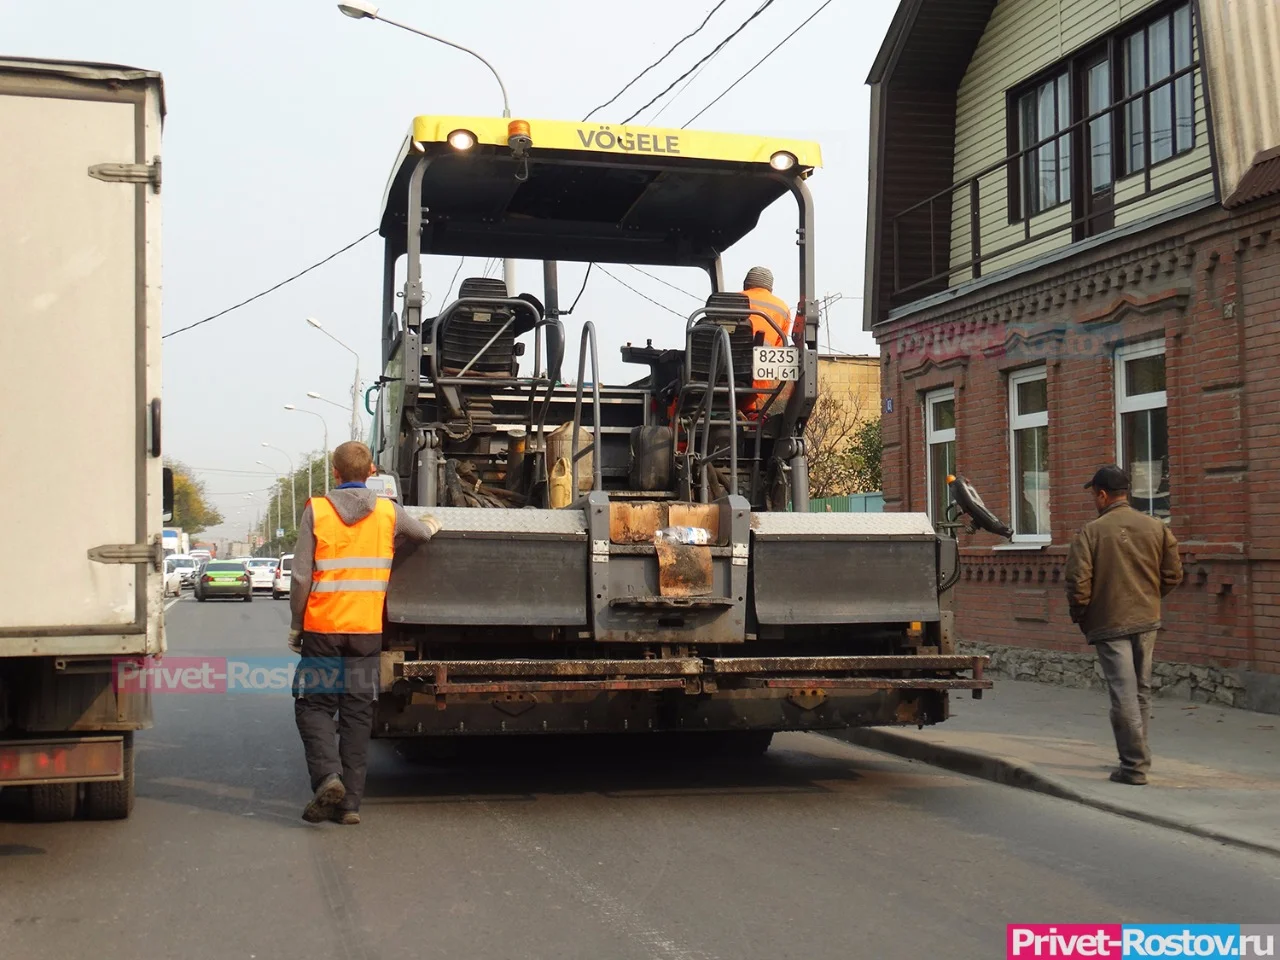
<point x="758" y="286"/>
<point x="341" y="568"/>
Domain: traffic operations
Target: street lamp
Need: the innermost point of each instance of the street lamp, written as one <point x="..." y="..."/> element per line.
<point x="325" y="423"/>
<point x="266" y="519"/>
<point x="362" y="10"/>
<point x="279" y="493"/>
<point x="333" y="403"/>
<point x="355" y="386"/>
<point x="293" y="495"/>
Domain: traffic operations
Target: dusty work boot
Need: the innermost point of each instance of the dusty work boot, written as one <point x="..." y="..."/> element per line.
<point x="329" y="794"/>
<point x="1132" y="777"/>
<point x="348" y="818"/>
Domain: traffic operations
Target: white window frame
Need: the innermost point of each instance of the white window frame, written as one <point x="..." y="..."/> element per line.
<point x="931" y="437"/>
<point x="1143" y="401"/>
<point x="1023" y="422"/>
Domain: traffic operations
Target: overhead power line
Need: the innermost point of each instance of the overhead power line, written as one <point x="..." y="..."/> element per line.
<point x="449" y="290"/>
<point x="654" y="276"/>
<point x="246" y="473"/>
<point x="653" y="119"/>
<point x="581" y="290"/>
<point x="272" y="289"/>
<point x="630" y="83"/>
<point x="720" y="46"/>
<point x="755" y="65"/>
<point x="639" y="294"/>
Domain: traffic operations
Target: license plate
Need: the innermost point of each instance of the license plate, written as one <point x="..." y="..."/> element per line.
<point x="775" y="363"/>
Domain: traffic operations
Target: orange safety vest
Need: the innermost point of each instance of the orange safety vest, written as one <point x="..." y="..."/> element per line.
<point x="768" y="303"/>
<point x="351" y="569"/>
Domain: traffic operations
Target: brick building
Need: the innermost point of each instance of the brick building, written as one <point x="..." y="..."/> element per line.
<point x="1073" y="257"/>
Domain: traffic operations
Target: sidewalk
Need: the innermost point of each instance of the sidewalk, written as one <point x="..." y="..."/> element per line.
<point x="1215" y="773"/>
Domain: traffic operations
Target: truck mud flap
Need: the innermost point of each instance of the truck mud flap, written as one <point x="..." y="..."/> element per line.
<point x="834" y="568"/>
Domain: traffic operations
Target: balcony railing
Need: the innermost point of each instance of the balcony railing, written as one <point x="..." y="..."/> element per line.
<point x="1010" y="173"/>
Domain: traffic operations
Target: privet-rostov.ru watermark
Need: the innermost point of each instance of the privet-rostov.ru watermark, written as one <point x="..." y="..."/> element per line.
<point x="229" y="674"/>
<point x="1067" y="941"/>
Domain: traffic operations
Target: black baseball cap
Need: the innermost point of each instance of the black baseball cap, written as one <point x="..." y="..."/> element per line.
<point x="1110" y="478"/>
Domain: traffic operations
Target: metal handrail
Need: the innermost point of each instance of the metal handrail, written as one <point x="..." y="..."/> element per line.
<point x="1014" y="161"/>
<point x="1057" y="135"/>
<point x="723" y="346"/>
<point x="588" y="336"/>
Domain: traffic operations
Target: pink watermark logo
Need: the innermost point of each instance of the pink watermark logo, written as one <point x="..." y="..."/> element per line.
<point x="282" y="674"/>
<point x="1063" y="940"/>
<point x="1069" y="941"/>
<point x="171" y="675"/>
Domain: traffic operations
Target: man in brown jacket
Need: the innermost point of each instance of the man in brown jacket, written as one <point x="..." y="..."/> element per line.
<point x="1119" y="567"/>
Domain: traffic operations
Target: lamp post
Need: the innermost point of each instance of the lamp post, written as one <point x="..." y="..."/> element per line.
<point x="279" y="494"/>
<point x="355" y="386"/>
<point x="293" y="495"/>
<point x="364" y="10"/>
<point x="266" y="519"/>
<point x="325" y="424"/>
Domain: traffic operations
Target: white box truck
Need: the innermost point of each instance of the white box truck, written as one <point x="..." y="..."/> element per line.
<point x="83" y="502"/>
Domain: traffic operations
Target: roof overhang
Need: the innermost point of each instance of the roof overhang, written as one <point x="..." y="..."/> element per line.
<point x="587" y="191"/>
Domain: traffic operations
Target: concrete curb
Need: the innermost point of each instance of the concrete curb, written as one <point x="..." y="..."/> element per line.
<point x="1012" y="772"/>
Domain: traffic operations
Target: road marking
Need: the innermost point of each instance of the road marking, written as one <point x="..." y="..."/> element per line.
<point x="623" y="917"/>
<point x="171" y="603"/>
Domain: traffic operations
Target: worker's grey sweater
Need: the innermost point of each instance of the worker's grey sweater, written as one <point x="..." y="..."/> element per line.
<point x="352" y="504"/>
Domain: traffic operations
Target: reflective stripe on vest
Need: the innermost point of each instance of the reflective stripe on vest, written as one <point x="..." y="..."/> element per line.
<point x="351" y="569"/>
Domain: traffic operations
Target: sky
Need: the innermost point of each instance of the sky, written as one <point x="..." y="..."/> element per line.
<point x="284" y="119"/>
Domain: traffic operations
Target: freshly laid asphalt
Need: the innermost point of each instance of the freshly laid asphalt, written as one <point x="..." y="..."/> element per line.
<point x="563" y="849"/>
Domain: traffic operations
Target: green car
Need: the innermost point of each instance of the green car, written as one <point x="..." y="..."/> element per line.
<point x="224" y="578"/>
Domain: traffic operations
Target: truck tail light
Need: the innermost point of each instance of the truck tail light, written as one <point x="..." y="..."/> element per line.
<point x="43" y="761"/>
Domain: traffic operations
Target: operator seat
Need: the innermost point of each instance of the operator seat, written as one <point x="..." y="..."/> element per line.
<point x="741" y="338"/>
<point x="467" y="328"/>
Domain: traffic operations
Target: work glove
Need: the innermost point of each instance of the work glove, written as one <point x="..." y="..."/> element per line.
<point x="295" y="641"/>
<point x="432" y="524"/>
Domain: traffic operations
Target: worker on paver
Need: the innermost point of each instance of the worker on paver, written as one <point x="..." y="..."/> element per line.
<point x="341" y="568"/>
<point x="758" y="286"/>
<point x="1118" y="568"/>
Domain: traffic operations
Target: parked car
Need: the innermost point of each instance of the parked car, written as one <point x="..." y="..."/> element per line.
<point x="224" y="578"/>
<point x="262" y="571"/>
<point x="187" y="567"/>
<point x="280" y="585"/>
<point x="172" y="579"/>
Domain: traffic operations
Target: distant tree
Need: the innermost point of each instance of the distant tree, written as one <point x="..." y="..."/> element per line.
<point x="863" y="456"/>
<point x="191" y="509"/>
<point x="829" y="433"/>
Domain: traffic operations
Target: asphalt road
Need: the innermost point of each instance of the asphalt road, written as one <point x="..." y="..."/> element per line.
<point x="586" y="849"/>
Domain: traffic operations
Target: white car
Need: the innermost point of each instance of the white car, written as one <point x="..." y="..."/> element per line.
<point x="172" y="579"/>
<point x="187" y="566"/>
<point x="283" y="580"/>
<point x="262" y="571"/>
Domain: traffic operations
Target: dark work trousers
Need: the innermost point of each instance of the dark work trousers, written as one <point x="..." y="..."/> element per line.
<point x="1126" y="663"/>
<point x="337" y="675"/>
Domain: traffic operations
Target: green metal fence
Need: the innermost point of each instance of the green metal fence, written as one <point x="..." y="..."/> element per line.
<point x="852" y="503"/>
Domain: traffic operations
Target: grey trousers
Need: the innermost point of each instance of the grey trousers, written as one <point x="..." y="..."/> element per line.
<point x="1126" y="663"/>
<point x="338" y="675"/>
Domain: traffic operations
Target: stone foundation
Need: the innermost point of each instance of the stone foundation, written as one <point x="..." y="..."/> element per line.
<point x="1179" y="681"/>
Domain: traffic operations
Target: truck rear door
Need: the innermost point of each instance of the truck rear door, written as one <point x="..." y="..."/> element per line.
<point x="80" y="253"/>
